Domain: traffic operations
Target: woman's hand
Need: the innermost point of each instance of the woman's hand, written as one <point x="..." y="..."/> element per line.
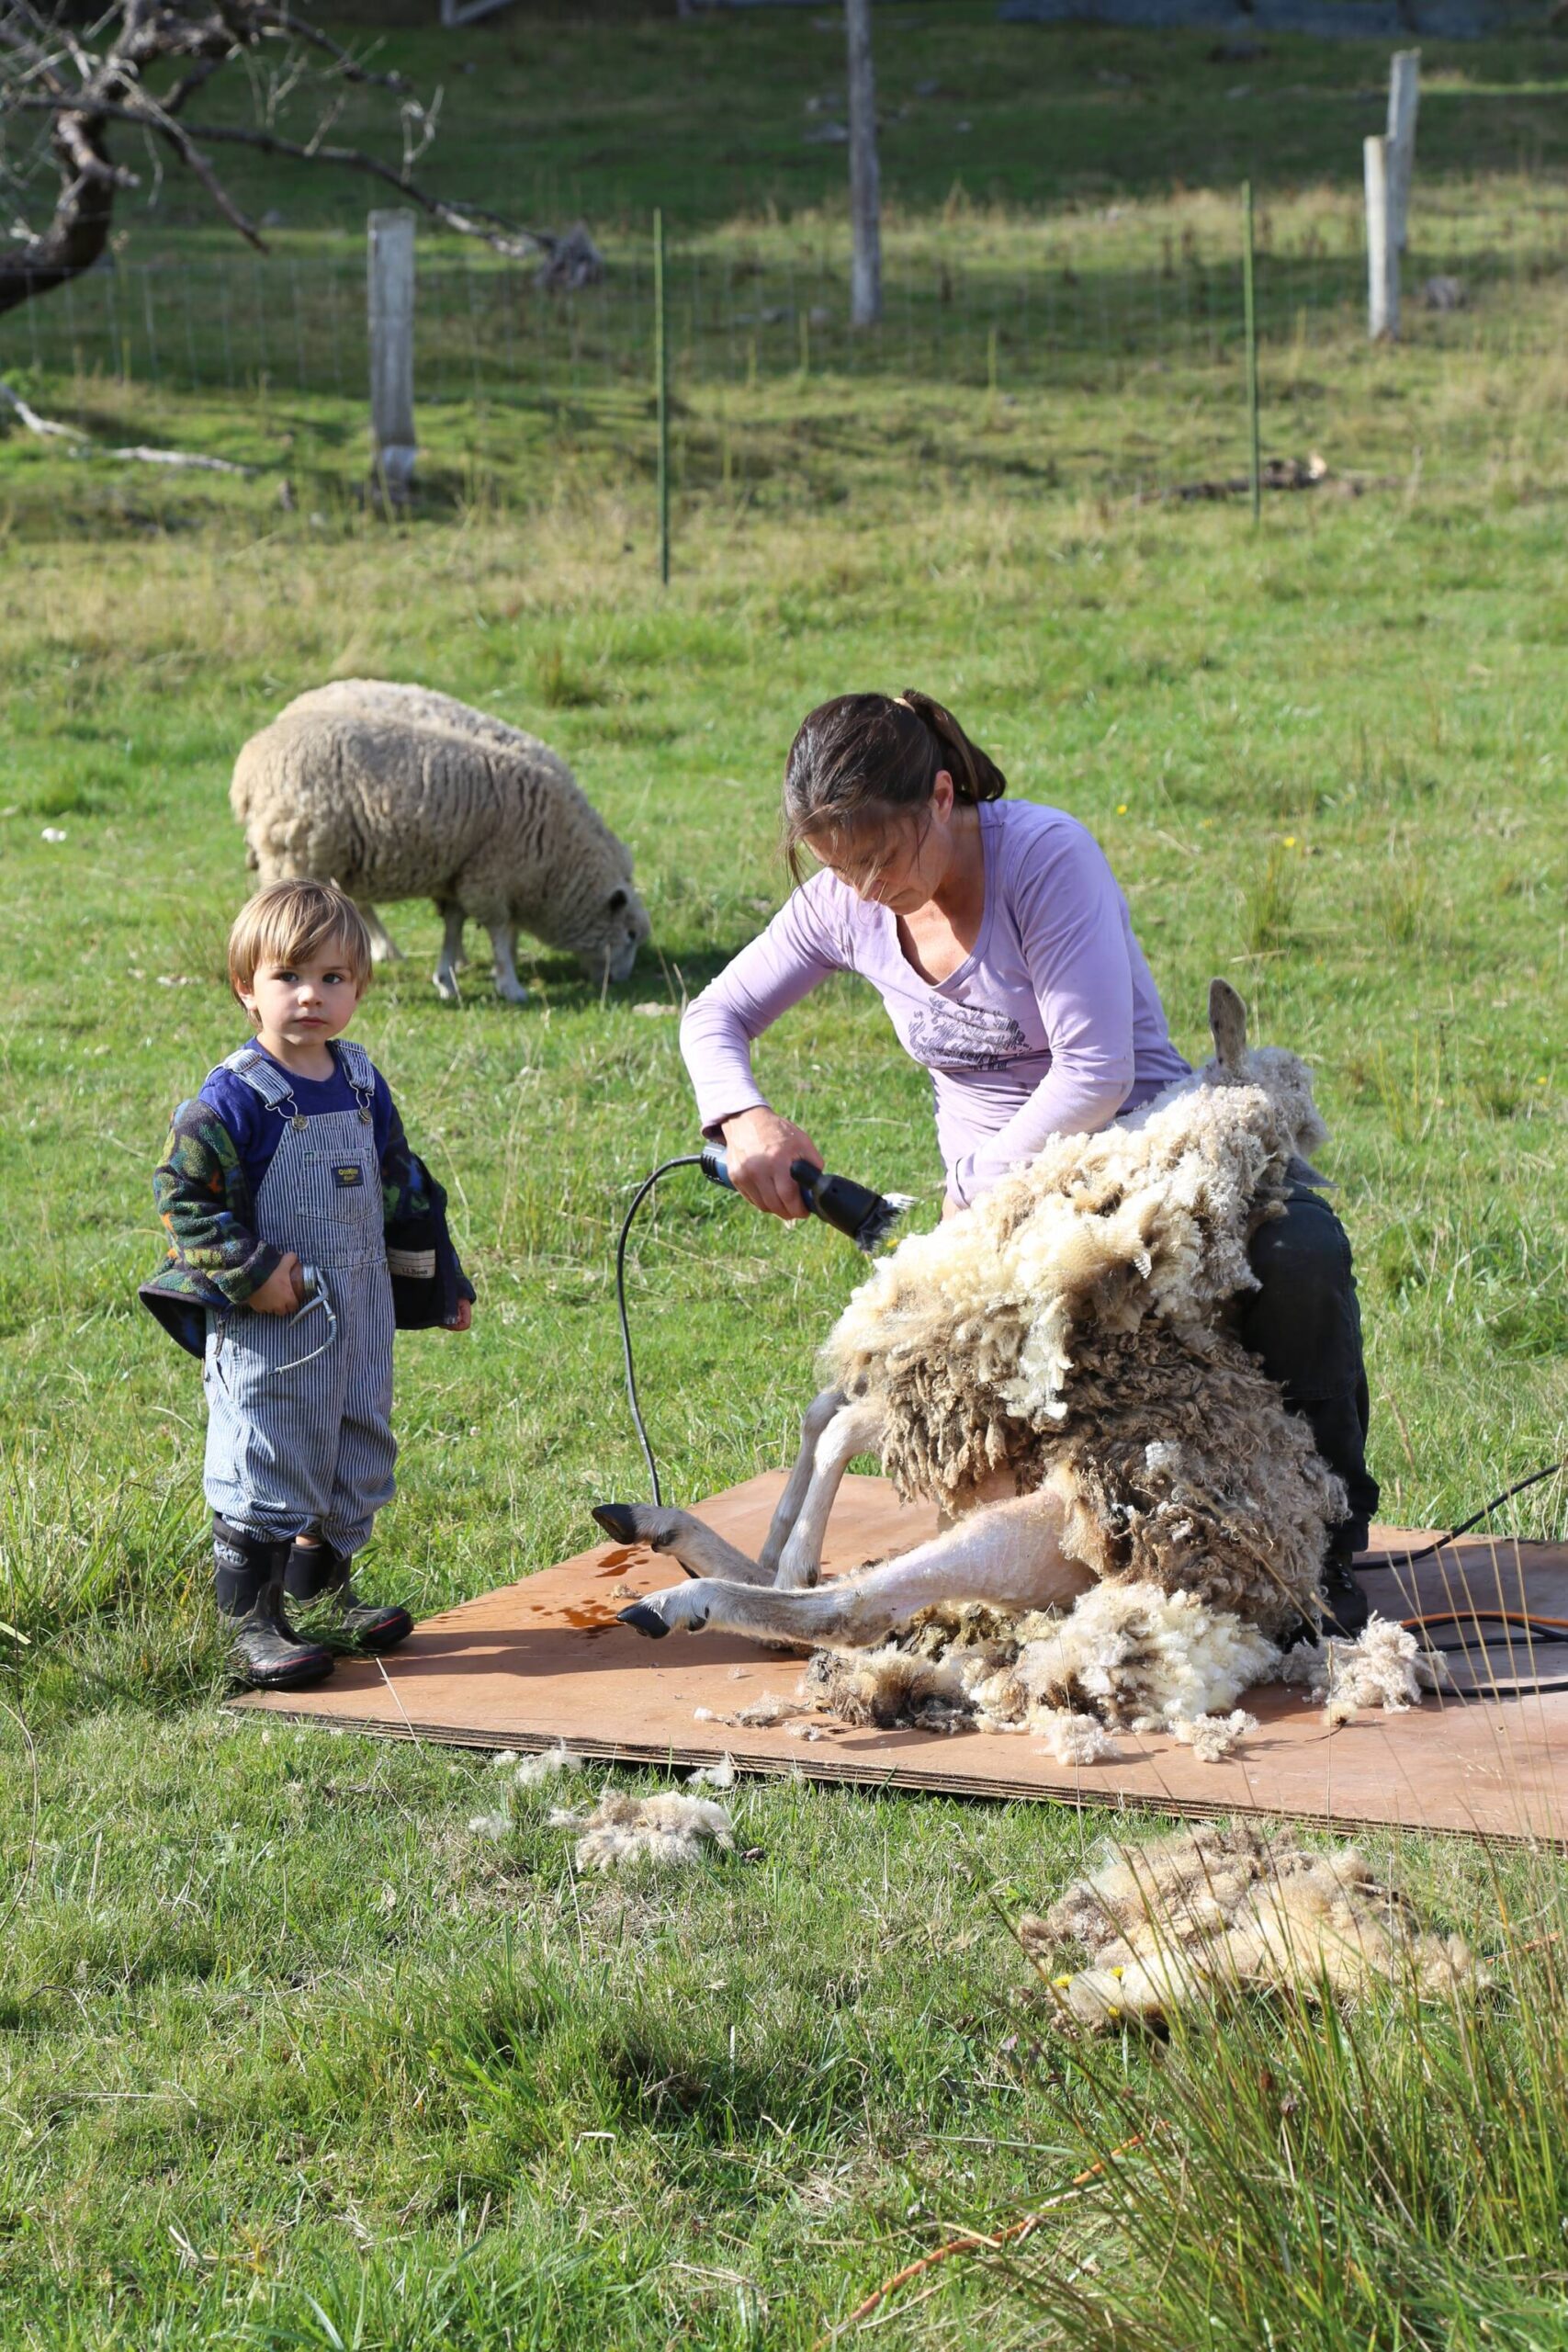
<point x="462" y="1319"/>
<point x="283" y="1291"/>
<point x="759" y="1147"/>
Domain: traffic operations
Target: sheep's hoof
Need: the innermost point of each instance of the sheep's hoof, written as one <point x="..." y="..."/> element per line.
<point x="446" y="986"/>
<point x="618" y="1520"/>
<point x="645" y="1620"/>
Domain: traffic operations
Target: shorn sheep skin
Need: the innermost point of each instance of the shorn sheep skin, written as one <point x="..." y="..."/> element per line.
<point x="394" y="792"/>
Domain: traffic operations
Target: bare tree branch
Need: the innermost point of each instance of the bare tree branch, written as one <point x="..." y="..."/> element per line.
<point x="85" y="83"/>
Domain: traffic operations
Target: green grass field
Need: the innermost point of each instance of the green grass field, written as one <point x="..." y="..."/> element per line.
<point x="292" y="2057"/>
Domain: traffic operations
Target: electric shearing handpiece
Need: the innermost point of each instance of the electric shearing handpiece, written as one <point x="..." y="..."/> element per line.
<point x="854" y="1210"/>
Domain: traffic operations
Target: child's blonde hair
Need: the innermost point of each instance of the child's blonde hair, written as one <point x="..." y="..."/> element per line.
<point x="290" y="922"/>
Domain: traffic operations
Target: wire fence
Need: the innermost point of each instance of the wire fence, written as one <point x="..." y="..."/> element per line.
<point x="1097" y="352"/>
<point x="1063" y="307"/>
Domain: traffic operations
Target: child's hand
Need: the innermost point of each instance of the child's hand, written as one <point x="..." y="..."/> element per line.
<point x="283" y="1291"/>
<point x="463" y="1317"/>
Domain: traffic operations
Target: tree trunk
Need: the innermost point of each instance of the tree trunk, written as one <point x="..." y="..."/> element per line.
<point x="76" y="236"/>
<point x="865" y="185"/>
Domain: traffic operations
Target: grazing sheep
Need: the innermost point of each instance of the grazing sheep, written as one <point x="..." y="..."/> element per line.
<point x="1054" y="1369"/>
<point x="1206" y="1909"/>
<point x="394" y="792"/>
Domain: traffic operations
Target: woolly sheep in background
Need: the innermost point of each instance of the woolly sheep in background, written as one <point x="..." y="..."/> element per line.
<point x="394" y="792"/>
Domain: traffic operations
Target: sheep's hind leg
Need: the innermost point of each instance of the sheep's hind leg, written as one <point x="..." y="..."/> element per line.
<point x="507" y="987"/>
<point x="446" y="973"/>
<point x="854" y="1429"/>
<point x="1008" y="1553"/>
<point x="700" y="1552"/>
<point x="384" y="949"/>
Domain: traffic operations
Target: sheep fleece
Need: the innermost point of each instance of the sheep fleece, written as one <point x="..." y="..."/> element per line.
<point x="1072" y="1329"/>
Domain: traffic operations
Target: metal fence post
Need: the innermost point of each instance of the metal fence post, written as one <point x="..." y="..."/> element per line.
<point x="1249" y="308"/>
<point x="661" y="372"/>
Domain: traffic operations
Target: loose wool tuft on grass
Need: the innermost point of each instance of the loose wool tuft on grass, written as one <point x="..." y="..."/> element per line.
<point x="667" y="1828"/>
<point x="1175" y="1923"/>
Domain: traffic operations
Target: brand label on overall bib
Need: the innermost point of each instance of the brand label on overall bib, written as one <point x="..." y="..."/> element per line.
<point x="348" y="1175"/>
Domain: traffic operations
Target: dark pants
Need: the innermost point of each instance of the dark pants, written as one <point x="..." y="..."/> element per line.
<point x="1305" y="1326"/>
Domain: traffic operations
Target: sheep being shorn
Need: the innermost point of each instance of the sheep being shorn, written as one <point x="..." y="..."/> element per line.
<point x="395" y="792"/>
<point x="1054" y="1369"/>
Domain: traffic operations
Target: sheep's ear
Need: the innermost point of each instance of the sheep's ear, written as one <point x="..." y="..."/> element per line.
<point x="1227" y="1019"/>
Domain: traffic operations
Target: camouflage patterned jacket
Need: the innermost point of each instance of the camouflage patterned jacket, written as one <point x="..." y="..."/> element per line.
<point x="215" y="1260"/>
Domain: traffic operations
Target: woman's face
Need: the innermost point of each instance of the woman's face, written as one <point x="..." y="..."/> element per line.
<point x="898" y="858"/>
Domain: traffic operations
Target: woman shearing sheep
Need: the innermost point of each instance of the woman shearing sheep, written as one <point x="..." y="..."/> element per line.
<point x="998" y="939"/>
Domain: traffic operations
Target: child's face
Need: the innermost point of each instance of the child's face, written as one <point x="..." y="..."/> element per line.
<point x="303" y="1004"/>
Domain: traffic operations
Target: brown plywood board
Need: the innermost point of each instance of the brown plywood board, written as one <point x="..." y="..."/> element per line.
<point x="544" y="1660"/>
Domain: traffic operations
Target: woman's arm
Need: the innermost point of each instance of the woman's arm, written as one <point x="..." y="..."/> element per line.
<point x="1070" y="919"/>
<point x="796" y="952"/>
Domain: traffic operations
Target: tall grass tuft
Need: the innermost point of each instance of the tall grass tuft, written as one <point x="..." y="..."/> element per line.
<point x="1268" y="904"/>
<point x="1391" y="2174"/>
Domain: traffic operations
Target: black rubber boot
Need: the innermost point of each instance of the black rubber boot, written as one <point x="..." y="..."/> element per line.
<point x="248" y="1574"/>
<point x="1345" y="1605"/>
<point x="316" y="1572"/>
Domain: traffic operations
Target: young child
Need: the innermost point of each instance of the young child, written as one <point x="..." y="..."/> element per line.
<point x="302" y="1226"/>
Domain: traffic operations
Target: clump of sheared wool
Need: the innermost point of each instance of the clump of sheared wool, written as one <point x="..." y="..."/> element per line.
<point x="766" y="1714"/>
<point x="490" y="1824"/>
<point x="1383" y="1666"/>
<point x="885" y="1686"/>
<point x="669" y="1828"/>
<point x="1072" y="1739"/>
<point x="713" y="1776"/>
<point x="1134" y="1655"/>
<point x="548" y="1765"/>
<point x="1211" y="1737"/>
<point x="1208" y="1910"/>
<point x="1126" y="1656"/>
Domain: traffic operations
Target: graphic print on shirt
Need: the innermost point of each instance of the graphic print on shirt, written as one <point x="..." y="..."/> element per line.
<point x="944" y="1035"/>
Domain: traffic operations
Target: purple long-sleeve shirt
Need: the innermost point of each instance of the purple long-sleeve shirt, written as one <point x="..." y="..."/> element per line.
<point x="1052" y="1025"/>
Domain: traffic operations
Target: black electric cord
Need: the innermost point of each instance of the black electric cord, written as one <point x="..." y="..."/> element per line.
<point x="687" y="1160"/>
<point x="1452" y="1534"/>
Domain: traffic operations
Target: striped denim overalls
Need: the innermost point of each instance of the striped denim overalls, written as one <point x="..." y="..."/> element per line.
<point x="295" y="1445"/>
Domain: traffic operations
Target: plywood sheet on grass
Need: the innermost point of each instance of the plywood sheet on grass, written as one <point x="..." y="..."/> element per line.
<point x="544" y="1659"/>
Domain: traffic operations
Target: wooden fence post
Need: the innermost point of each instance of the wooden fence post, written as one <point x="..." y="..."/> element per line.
<point x="865" y="185"/>
<point x="1382" y="257"/>
<point x="1403" y="97"/>
<point x="389" y="287"/>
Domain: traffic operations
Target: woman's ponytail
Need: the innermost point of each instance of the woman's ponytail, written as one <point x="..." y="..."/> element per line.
<point x="974" y="774"/>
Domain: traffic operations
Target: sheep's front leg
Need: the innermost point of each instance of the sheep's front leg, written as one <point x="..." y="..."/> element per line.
<point x="813" y="1422"/>
<point x="383" y="948"/>
<point x="1010" y="1554"/>
<point x="507" y="987"/>
<point x="854" y="1429"/>
<point x="446" y="973"/>
<point x="700" y="1552"/>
